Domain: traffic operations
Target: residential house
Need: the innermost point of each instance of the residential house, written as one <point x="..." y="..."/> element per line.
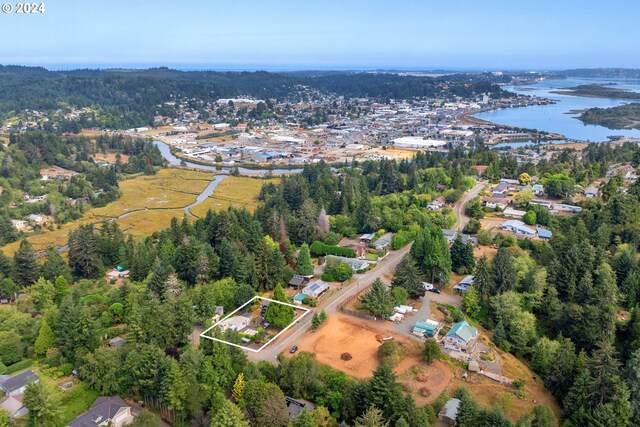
<point x="461" y="337"/>
<point x="544" y="234"/>
<point x="538" y="190"/>
<point x="116" y="342"/>
<point x="469" y="238"/>
<point x="450" y="235"/>
<point x="295" y="407"/>
<point x="315" y="290"/>
<point x="17" y="384"/>
<point x="109" y="411"/>
<point x="590" y="192"/>
<point x="545" y="204"/>
<point x="566" y="208"/>
<point x="297" y="282"/>
<point x="354" y="263"/>
<point x="20" y="224"/>
<point x="235" y="323"/>
<point x="38" y="219"/>
<point x="517" y="227"/>
<point x="367" y="238"/>
<point x="449" y="411"/>
<point x="360" y="250"/>
<point x="501" y="189"/>
<point x="510" y="182"/>
<point x="464" y="283"/>
<point x="383" y="242"/>
<point x="513" y="213"/>
<point x="495" y="202"/>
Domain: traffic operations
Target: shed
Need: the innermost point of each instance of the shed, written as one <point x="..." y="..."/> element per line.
<point x="449" y="411"/>
<point x="295" y="407"/>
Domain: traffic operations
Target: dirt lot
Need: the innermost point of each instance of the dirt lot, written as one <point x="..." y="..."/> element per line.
<point x="346" y="334"/>
<point x="424" y="382"/>
<point x="489" y="251"/>
<point x="341" y="334"/>
<point x="110" y="157"/>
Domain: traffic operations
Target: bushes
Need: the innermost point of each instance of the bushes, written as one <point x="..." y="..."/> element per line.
<point x="320" y="249"/>
<point x="484" y="237"/>
<point x="389" y="353"/>
<point x="23" y="364"/>
<point x="401" y="239"/>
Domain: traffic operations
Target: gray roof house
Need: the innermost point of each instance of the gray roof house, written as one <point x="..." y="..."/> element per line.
<point x="590" y="192"/>
<point x="383" y="241"/>
<point x="16" y="384"/>
<point x="449" y="411"/>
<point x="106" y="411"/>
<point x="295" y="407"/>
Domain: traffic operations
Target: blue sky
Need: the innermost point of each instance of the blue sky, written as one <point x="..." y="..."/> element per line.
<point x="326" y="34"/>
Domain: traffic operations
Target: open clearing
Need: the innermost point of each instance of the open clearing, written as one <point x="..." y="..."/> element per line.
<point x="236" y="191"/>
<point x="486" y="390"/>
<point x="424" y="382"/>
<point x="154" y="200"/>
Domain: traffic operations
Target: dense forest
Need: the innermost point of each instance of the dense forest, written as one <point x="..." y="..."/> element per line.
<point x="568" y="307"/>
<point x="620" y="117"/>
<point x="131" y="98"/>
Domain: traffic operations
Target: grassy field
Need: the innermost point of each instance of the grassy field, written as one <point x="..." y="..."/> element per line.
<point x="158" y="198"/>
<point x="236" y="191"/>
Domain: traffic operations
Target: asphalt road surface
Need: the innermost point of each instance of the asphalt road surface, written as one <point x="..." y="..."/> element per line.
<point x="461" y="217"/>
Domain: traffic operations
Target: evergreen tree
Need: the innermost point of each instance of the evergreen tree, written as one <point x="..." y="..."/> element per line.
<point x="384" y="392"/>
<point x="431" y="351"/>
<point x="372" y="418"/>
<point x="159" y="276"/>
<point x="305" y="267"/>
<point x="84" y="258"/>
<point x="238" y="387"/>
<point x="174" y="387"/>
<point x="26" y="269"/>
<point x="378" y="300"/>
<point x="62" y="289"/>
<point x="229" y="415"/>
<point x="55" y="266"/>
<point x="633" y="381"/>
<point x="279" y="315"/>
<point x="46" y="339"/>
<point x="503" y="272"/>
<point x="42" y="410"/>
<point x="407" y="276"/>
<point x="482" y="278"/>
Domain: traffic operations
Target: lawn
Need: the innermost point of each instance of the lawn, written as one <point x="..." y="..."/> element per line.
<point x="236" y="191"/>
<point x="69" y="403"/>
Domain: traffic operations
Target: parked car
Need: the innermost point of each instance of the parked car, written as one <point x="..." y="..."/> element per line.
<point x="434" y="290"/>
<point x="293" y="349"/>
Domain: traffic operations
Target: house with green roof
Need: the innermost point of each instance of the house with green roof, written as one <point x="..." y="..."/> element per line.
<point x="461" y="337"/>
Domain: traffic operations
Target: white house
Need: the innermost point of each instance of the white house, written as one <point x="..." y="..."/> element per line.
<point x="316" y="289"/>
<point x="514" y="213"/>
<point x="235" y="323"/>
<point x="517" y="227"/>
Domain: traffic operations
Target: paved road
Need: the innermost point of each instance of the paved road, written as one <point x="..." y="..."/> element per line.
<point x="461" y="217"/>
<point x="330" y="305"/>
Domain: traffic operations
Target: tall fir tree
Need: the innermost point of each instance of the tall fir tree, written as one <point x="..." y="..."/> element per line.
<point x="26" y="268"/>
